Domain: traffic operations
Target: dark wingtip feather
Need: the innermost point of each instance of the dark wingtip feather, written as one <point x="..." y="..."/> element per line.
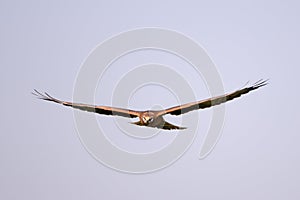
<point x="39" y="94"/>
<point x="260" y="83"/>
<point x="44" y="96"/>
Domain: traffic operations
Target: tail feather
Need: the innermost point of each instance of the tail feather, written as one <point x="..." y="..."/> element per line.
<point x="169" y="126"/>
<point x="165" y="125"/>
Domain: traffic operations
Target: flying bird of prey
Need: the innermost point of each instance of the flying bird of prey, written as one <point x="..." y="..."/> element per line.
<point x="154" y="118"/>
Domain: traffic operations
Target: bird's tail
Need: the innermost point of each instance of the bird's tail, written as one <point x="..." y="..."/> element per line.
<point x="169" y="126"/>
<point x="166" y="126"/>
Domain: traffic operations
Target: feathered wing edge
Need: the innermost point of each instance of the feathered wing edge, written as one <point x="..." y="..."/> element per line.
<point x="178" y="110"/>
<point x="89" y="108"/>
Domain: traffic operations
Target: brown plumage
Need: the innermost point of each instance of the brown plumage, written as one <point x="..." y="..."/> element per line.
<point x="154" y="118"/>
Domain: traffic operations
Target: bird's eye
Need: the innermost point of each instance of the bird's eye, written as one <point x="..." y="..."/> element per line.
<point x="151" y="120"/>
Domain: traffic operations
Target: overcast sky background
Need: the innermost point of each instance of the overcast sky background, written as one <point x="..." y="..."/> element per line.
<point x="43" y="45"/>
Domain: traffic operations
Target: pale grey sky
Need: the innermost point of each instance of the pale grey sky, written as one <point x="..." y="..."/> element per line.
<point x="43" y="46"/>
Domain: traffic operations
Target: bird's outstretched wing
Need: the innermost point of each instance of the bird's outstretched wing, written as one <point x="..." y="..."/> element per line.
<point x="90" y="108"/>
<point x="178" y="110"/>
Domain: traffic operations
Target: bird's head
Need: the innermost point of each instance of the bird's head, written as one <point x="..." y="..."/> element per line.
<point x="147" y="117"/>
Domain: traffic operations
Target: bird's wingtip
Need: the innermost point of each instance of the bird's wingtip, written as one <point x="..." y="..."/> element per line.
<point x="44" y="96"/>
<point x="260" y="83"/>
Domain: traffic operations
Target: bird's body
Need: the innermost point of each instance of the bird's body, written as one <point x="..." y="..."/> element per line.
<point x="154" y="118"/>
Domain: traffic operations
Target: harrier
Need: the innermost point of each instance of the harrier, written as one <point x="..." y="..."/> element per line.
<point x="154" y="118"/>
